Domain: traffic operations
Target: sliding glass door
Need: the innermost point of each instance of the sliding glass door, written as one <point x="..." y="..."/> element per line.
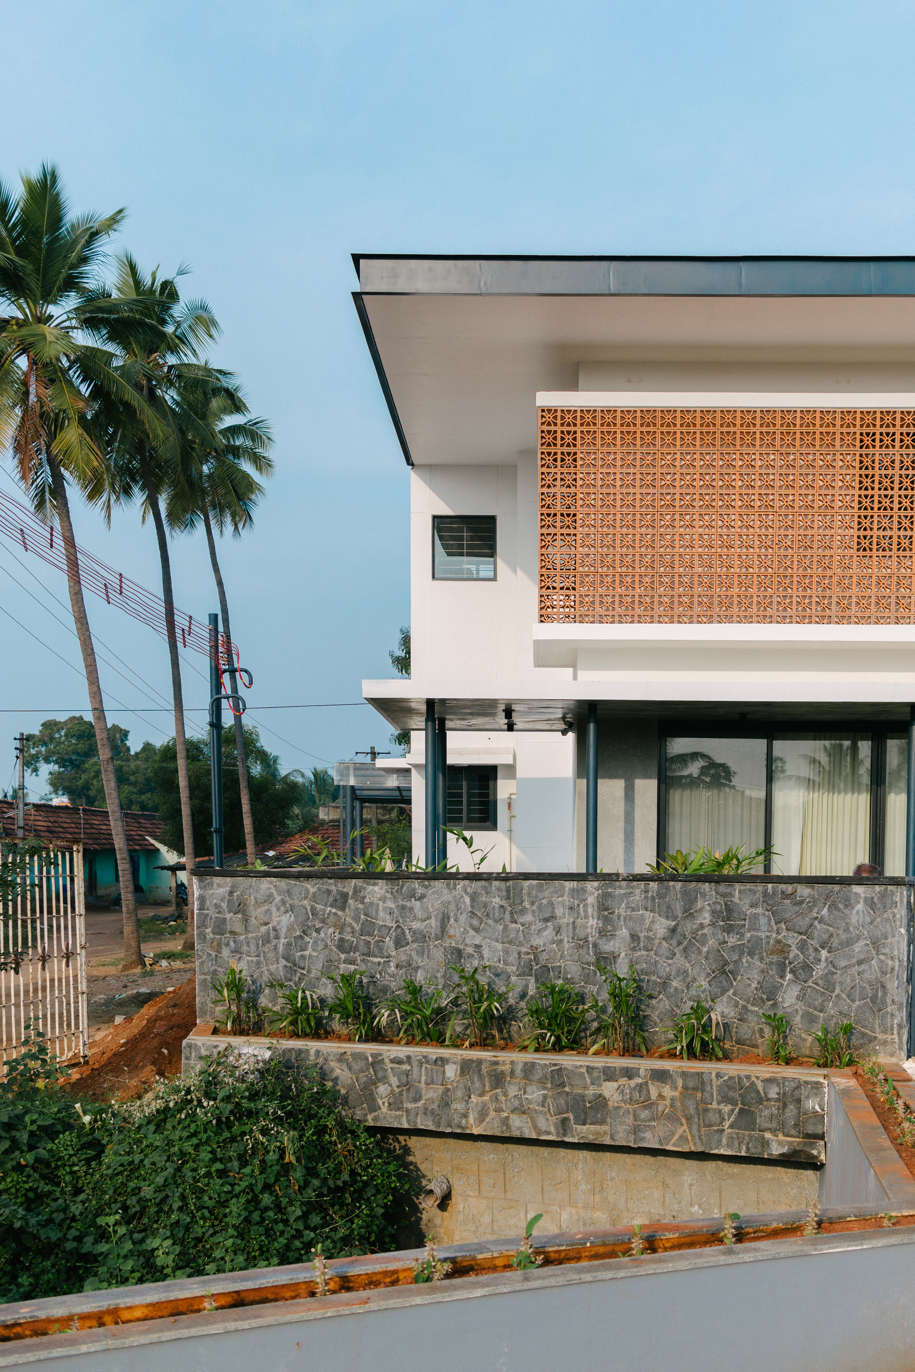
<point x="823" y="802"/>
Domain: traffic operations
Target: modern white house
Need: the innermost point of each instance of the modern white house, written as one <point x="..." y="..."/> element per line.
<point x="662" y="555"/>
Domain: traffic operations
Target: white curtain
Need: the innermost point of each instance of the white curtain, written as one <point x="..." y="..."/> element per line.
<point x="896" y="765"/>
<point x="715" y="817"/>
<point x="821" y="804"/>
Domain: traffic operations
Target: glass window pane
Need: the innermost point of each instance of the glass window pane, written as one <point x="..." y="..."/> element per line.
<point x="897" y="757"/>
<point x="470" y="796"/>
<point x="821" y="804"/>
<point x="716" y="793"/>
<point x="464" y="547"/>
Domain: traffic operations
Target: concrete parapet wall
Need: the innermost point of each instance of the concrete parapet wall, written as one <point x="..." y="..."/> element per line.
<point x="820" y="951"/>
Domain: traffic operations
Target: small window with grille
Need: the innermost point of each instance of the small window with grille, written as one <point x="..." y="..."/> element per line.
<point x="464" y="547"/>
<point x="471" y="802"/>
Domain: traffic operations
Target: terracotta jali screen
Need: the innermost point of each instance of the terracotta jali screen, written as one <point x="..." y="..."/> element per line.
<point x="728" y="516"/>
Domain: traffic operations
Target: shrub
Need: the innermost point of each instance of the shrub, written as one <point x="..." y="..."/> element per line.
<point x="241" y="1001"/>
<point x="557" y="1015"/>
<point x="834" y="1048"/>
<point x="352" y="1005"/>
<point x="620" y="1024"/>
<point x="481" y="1005"/>
<point x="418" y="1014"/>
<point x="696" y="1033"/>
<point x="703" y="862"/>
<point x="300" y="1014"/>
<point x="777" y="1037"/>
<point x="231" y="1167"/>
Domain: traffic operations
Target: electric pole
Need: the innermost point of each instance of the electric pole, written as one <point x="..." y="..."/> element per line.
<point x="20" y="789"/>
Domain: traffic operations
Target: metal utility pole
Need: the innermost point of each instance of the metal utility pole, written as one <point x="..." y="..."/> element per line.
<point x="216" y="742"/>
<point x="20" y="789"/>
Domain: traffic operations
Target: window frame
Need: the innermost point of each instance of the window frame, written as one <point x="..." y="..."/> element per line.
<point x="726" y="728"/>
<point x="472" y="580"/>
<point x="493" y="776"/>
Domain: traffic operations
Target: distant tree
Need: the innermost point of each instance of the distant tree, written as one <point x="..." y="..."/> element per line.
<point x="400" y="660"/>
<point x="275" y="796"/>
<point x="68" y="748"/>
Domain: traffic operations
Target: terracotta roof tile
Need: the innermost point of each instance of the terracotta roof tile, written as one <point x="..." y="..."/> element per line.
<point x="80" y="824"/>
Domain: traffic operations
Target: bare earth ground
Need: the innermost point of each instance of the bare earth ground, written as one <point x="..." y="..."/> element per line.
<point x="113" y="993"/>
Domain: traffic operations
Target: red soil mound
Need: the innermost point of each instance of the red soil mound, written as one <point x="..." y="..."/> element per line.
<point x="128" y="1058"/>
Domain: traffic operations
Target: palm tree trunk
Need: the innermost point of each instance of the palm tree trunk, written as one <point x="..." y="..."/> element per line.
<point x="184" y="785"/>
<point x="244" y="791"/>
<point x="132" y="954"/>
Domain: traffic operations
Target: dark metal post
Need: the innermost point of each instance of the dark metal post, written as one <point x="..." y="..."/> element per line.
<point x="910" y="801"/>
<point x="358" y="846"/>
<point x="431" y="805"/>
<point x="215" y="744"/>
<point x="591" y="788"/>
<point x="349" y="826"/>
<point x="441" y="791"/>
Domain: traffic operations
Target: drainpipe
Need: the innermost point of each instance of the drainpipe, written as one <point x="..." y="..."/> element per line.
<point x="441" y="791"/>
<point x="910" y="875"/>
<point x="591" y="788"/>
<point x="431" y="805"/>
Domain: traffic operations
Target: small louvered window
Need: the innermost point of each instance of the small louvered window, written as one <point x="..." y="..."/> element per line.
<point x="464" y="547"/>
<point x="472" y="797"/>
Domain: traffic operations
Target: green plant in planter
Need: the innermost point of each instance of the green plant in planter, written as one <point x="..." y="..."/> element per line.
<point x="480" y="1005"/>
<point x="351" y="1005"/>
<point x="430" y="1266"/>
<point x="300" y="1013"/>
<point x="697" y="1033"/>
<point x="241" y="999"/>
<point x="835" y="1049"/>
<point x="620" y="1023"/>
<point x="777" y="1039"/>
<point x="732" y="862"/>
<point x="557" y="1015"/>
<point x="525" y="1258"/>
<point x="418" y="1014"/>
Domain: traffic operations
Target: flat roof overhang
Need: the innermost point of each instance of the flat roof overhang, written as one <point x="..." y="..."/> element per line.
<point x="487" y="715"/>
<point x="453" y="337"/>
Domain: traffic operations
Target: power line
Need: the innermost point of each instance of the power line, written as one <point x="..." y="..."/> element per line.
<point x="153" y="709"/>
<point x="138" y="682"/>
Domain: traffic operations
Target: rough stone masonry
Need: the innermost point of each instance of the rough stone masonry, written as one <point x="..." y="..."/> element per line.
<point x="819" y="951"/>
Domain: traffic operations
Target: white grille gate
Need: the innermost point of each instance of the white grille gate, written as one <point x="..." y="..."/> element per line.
<point x="43" y="949"/>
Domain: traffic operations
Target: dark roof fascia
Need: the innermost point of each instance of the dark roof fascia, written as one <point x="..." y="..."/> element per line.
<point x="380" y="372"/>
<point x="746" y="275"/>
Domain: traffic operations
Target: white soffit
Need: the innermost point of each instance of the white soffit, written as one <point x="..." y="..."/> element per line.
<point x="464" y="370"/>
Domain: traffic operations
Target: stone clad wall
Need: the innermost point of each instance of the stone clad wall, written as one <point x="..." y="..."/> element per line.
<point x="739" y="1111"/>
<point x="816" y="950"/>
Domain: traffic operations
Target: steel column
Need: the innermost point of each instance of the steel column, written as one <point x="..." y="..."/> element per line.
<point x="358" y="845"/>
<point x="348" y="826"/>
<point x="215" y="745"/>
<point x="591" y="788"/>
<point x="431" y="799"/>
<point x="910" y="801"/>
<point x="441" y="791"/>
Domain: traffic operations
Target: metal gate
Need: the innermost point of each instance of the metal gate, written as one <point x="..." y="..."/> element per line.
<point x="43" y="949"/>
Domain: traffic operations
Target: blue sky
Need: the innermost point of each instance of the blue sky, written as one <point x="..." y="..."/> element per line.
<point x="262" y="143"/>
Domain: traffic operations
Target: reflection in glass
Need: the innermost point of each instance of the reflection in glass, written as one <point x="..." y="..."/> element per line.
<point x="821" y="804"/>
<point x="716" y="793"/>
<point x="897" y="760"/>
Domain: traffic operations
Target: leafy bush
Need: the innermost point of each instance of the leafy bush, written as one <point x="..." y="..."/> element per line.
<point x="300" y="1014"/>
<point x="777" y="1037"/>
<point x="696" y="1033"/>
<point x="232" y="1167"/>
<point x="558" y="1017"/>
<point x="352" y="1005"/>
<point x="417" y="1014"/>
<point x="703" y="862"/>
<point x="620" y="1024"/>
<point x="834" y="1048"/>
<point x="241" y="1000"/>
<point x="480" y="1005"/>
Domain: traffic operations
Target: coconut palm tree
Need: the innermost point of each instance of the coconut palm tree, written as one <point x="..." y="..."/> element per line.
<point x="50" y="364"/>
<point x="224" y="450"/>
<point x="155" y="341"/>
